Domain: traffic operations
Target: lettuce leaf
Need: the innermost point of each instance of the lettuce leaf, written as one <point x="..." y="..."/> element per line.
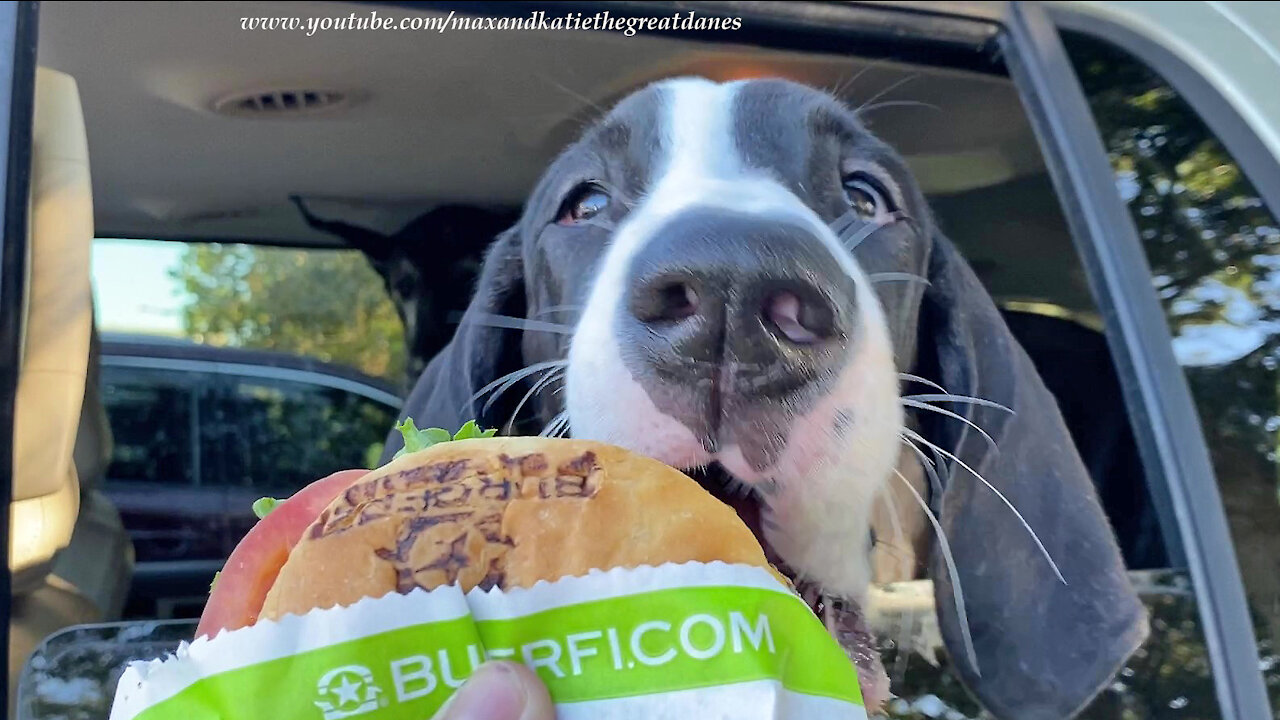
<point x="264" y="505"/>
<point x="415" y="439"/>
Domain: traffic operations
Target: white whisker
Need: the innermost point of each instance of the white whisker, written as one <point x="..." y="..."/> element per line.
<point x="922" y="381"/>
<point x="949" y="559"/>
<point x="943" y="411"/>
<point x="886" y="91"/>
<point x="515" y="323"/>
<point x="600" y="111"/>
<point x="847" y="85"/>
<point x="553" y="374"/>
<point x="555" y="422"/>
<point x="948" y="397"/>
<point x="1043" y="550"/>
<point x="557" y="308"/>
<point x="897" y="103"/>
<point x="864" y="232"/>
<point x="896" y="277"/>
<point x="506" y="381"/>
<point x="559" y="425"/>
<point x="930" y="468"/>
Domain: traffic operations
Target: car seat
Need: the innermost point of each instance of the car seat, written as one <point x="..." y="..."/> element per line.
<point x="68" y="553"/>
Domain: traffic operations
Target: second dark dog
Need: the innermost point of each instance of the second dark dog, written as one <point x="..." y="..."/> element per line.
<point x="429" y="267"/>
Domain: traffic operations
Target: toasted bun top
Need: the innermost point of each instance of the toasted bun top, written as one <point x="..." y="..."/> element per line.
<point x="504" y="512"/>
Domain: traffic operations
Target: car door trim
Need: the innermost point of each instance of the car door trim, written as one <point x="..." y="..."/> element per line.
<point x="255" y="371"/>
<point x="1255" y="159"/>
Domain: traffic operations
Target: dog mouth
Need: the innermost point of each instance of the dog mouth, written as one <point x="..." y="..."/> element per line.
<point x="843" y="618"/>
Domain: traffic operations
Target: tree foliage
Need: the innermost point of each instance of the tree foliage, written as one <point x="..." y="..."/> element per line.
<point x="325" y="304"/>
<point x="1214" y="251"/>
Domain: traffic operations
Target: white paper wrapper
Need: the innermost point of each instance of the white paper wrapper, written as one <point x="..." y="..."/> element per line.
<point x="679" y="641"/>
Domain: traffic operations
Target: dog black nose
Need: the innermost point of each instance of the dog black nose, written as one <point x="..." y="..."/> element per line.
<point x="715" y="290"/>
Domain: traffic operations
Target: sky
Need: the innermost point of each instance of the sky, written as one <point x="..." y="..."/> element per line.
<point x="132" y="286"/>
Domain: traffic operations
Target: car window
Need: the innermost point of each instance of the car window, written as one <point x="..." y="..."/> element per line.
<point x="323" y="304"/>
<point x="303" y="346"/>
<point x="278" y="435"/>
<point x="231" y="372"/>
<point x="154" y="415"/>
<point x="1214" y="250"/>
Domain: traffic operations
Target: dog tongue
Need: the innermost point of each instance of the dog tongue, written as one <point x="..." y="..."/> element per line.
<point x="847" y="625"/>
<point x="844" y="618"/>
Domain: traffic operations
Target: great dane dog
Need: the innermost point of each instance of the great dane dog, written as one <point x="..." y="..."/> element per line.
<point x="741" y="280"/>
<point x="421" y="265"/>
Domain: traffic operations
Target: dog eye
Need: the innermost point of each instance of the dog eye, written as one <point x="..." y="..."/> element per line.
<point x="867" y="196"/>
<point x="586" y="201"/>
<point x="405" y="285"/>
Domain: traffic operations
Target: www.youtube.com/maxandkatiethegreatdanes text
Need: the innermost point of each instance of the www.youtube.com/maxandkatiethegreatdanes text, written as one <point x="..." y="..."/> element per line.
<point x="536" y="20"/>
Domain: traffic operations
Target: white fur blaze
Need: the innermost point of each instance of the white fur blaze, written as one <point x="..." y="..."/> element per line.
<point x="826" y="480"/>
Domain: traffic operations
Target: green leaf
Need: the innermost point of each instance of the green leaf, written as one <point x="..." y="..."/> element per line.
<point x="215" y="580"/>
<point x="468" y="431"/>
<point x="263" y="506"/>
<point x="435" y="436"/>
<point x="415" y="439"/>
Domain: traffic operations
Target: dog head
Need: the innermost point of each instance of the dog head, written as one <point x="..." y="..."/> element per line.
<point x="423" y="266"/>
<point x="740" y="280"/>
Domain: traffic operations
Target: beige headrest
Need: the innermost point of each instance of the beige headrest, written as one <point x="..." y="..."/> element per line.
<point x="55" y="350"/>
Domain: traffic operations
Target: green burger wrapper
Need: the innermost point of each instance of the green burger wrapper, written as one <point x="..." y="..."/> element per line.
<point x="694" y="640"/>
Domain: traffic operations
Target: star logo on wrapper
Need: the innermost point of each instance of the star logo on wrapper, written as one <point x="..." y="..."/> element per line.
<point x="347" y="691"/>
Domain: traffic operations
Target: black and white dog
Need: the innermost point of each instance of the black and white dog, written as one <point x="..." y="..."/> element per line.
<point x="740" y="280"/>
<point x="422" y="265"/>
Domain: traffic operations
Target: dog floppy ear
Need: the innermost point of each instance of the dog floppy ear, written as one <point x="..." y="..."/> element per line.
<point x="445" y="394"/>
<point x="1044" y="648"/>
<point x="376" y="246"/>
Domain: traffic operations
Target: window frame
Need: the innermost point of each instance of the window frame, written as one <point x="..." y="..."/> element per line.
<point x="222" y="368"/>
<point x="190" y="383"/>
<point x="1166" y="422"/>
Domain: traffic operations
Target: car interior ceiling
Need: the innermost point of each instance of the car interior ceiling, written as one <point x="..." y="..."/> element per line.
<point x="473" y="118"/>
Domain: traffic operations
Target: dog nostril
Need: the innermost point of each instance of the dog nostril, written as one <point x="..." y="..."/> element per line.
<point x="666" y="300"/>
<point x="676" y="301"/>
<point x="800" y="321"/>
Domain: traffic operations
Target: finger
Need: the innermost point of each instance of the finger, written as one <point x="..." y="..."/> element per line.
<point x="500" y="691"/>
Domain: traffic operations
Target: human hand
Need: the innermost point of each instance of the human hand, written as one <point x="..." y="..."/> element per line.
<point x="500" y="691"/>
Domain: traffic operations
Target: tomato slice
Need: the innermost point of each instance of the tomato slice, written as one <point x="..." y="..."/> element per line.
<point x="241" y="588"/>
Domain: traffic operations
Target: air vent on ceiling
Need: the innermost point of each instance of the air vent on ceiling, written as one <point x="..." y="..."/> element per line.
<point x="282" y="102"/>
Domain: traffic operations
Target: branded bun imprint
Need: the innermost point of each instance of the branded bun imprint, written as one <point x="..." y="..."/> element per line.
<point x="504" y="513"/>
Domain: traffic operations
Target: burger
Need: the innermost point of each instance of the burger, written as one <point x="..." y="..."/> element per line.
<point x="477" y="511"/>
<point x="473" y="510"/>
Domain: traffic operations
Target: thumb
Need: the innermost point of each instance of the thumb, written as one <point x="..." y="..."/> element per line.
<point x="500" y="691"/>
